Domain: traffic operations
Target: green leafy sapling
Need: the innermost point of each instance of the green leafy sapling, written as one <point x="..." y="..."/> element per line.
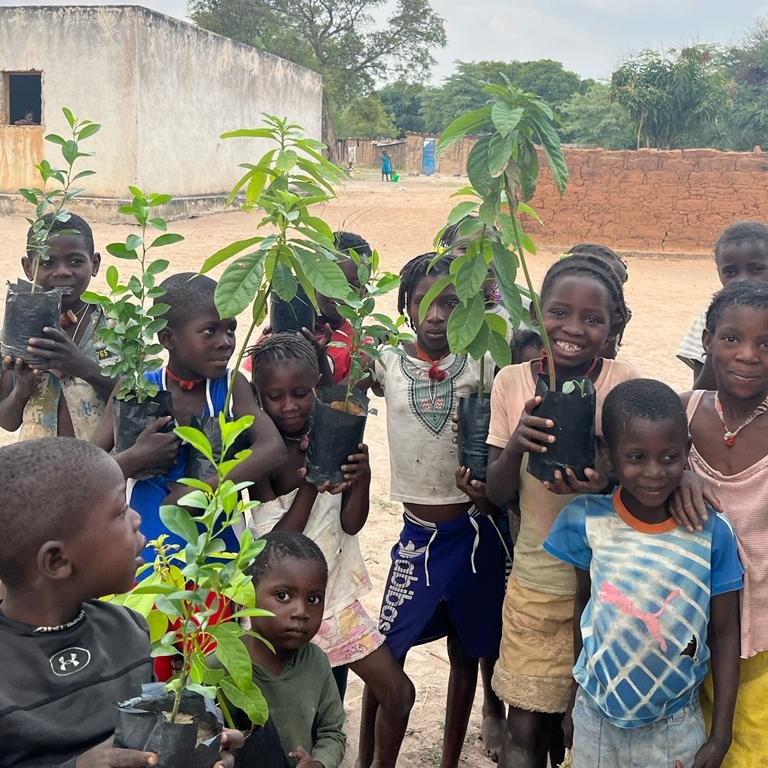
<point x="135" y="318"/>
<point x="296" y="247"/>
<point x="370" y="329"/>
<point x="186" y="592"/>
<point x="503" y="169"/>
<point x="58" y="189"/>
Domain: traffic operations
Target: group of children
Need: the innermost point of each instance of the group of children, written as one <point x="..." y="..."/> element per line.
<point x="632" y="612"/>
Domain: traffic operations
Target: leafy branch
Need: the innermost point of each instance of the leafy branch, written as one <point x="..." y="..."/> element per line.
<point x="50" y="204"/>
<point x="183" y="596"/>
<point x="503" y="169"/>
<point x="130" y="337"/>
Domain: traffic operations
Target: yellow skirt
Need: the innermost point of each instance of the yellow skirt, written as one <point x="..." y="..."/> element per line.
<point x="536" y="655"/>
<point x="750" y="721"/>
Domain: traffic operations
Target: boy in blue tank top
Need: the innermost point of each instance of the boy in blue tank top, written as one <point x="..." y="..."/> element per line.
<point x="656" y="604"/>
<point x="200" y="345"/>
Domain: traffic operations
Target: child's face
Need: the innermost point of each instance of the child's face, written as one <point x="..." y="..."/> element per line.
<point x="294" y="590"/>
<point x="743" y="260"/>
<point x="328" y="307"/>
<point x="432" y="334"/>
<point x="70" y="264"/>
<point x="649" y="461"/>
<point x="105" y="554"/>
<point x="202" y="346"/>
<point x="287" y="395"/>
<point x="576" y="313"/>
<point x="739" y="350"/>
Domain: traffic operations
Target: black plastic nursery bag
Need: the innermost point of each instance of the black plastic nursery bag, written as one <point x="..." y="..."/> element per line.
<point x="334" y="435"/>
<point x="573" y="413"/>
<point x="26" y="314"/>
<point x="474" y="420"/>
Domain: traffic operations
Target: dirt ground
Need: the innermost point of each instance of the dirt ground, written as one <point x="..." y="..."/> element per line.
<point x="400" y="220"/>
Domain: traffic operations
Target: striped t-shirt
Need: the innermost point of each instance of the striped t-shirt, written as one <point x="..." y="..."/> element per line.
<point x="645" y="626"/>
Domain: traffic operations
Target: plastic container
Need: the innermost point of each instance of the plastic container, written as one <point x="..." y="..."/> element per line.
<point x="573" y="413"/>
<point x="474" y="420"/>
<point x="335" y="434"/>
<point x="26" y="314"/>
<point x="199" y="466"/>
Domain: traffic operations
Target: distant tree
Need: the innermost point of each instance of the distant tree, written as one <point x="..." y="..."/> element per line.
<point x="459" y="92"/>
<point x="591" y="119"/>
<point x="747" y="64"/>
<point x="404" y="102"/>
<point x="365" y="118"/>
<point x="673" y="98"/>
<point x="337" y="38"/>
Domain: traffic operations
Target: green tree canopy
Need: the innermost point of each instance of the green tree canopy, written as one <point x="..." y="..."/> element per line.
<point x="365" y="118"/>
<point x="337" y="38"/>
<point x="460" y="93"/>
<point x="404" y="101"/>
<point x="591" y="119"/>
<point x="672" y="97"/>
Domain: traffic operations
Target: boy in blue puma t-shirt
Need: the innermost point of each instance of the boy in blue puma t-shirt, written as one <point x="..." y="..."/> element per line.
<point x="649" y="594"/>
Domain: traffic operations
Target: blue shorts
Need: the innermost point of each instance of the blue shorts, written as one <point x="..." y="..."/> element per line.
<point x="445" y="576"/>
<point x="597" y="742"/>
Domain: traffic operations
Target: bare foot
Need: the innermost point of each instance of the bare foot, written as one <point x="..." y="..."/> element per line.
<point x="492" y="735"/>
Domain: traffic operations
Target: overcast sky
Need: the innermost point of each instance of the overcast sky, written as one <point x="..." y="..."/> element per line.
<point x="588" y="36"/>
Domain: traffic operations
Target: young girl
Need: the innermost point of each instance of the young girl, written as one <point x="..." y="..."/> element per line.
<point x="447" y="574"/>
<point x="582" y="303"/>
<point x="741" y="253"/>
<point x="729" y="428"/>
<point x="653" y="599"/>
<point x="285" y="373"/>
<point x="290" y="577"/>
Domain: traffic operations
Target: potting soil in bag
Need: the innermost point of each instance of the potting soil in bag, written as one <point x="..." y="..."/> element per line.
<point x="573" y="413"/>
<point x="474" y="420"/>
<point x="26" y="314"/>
<point x="335" y="434"/>
<point x="131" y="418"/>
<point x="193" y="741"/>
<point x="291" y="316"/>
<point x="199" y="466"/>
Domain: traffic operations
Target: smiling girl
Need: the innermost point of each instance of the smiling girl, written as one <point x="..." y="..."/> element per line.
<point x="729" y="428"/>
<point x="582" y="304"/>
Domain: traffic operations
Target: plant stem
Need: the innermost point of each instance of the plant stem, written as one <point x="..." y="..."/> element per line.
<point x="225" y="710"/>
<point x="258" y="308"/>
<point x="534" y="296"/>
<point x="184" y="671"/>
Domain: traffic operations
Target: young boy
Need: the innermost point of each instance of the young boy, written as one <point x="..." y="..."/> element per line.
<point x="741" y="253"/>
<point x="71" y="656"/>
<point x="290" y="577"/>
<point x="200" y="345"/>
<point x="653" y="599"/>
<point x="68" y="395"/>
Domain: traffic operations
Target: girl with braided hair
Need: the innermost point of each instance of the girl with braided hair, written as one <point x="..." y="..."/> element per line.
<point x="582" y="304"/>
<point x="447" y="572"/>
<point x="285" y="374"/>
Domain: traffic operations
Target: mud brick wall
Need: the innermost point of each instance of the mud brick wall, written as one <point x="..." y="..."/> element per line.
<point x="652" y="200"/>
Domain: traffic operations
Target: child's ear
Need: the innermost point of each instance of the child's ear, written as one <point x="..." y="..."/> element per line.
<point x="26" y="265"/>
<point x="95" y="264"/>
<point x="604" y="455"/>
<point x="53" y="561"/>
<point x="706" y="341"/>
<point x="165" y="337"/>
<point x="532" y="314"/>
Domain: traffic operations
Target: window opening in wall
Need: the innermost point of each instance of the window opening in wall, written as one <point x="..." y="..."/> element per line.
<point x="24" y="98"/>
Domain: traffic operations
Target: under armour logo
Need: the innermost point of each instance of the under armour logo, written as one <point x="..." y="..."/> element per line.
<point x="69" y="661"/>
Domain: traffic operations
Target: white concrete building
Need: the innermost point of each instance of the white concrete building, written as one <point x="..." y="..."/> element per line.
<point x="163" y="90"/>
